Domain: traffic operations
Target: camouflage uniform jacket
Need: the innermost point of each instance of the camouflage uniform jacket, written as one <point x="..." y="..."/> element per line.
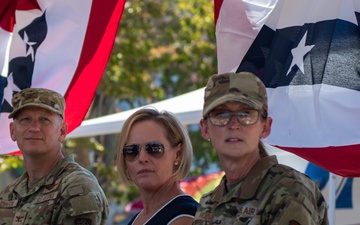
<point x="68" y="195"/>
<point x="271" y="193"/>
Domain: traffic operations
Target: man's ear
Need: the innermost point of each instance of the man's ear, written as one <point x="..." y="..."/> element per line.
<point x="63" y="131"/>
<point x="12" y="131"/>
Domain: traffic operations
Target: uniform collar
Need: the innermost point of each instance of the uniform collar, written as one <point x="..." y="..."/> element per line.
<point x="252" y="180"/>
<point x="256" y="175"/>
<point x="20" y="184"/>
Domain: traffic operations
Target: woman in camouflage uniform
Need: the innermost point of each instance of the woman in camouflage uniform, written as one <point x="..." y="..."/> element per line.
<point x="255" y="188"/>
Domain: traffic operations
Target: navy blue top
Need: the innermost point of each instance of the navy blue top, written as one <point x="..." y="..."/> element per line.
<point x="181" y="205"/>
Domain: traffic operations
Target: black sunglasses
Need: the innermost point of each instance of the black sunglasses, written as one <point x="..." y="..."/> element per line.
<point x="154" y="149"/>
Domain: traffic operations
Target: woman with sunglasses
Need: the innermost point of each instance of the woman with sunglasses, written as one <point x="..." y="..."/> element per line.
<point x="255" y="188"/>
<point x="155" y="153"/>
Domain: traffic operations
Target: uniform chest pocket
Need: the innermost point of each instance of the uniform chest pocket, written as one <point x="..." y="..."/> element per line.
<point x="46" y="197"/>
<point x="40" y="210"/>
<point x="8" y="204"/>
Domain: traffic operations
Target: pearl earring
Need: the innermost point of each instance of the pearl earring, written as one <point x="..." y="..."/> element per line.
<point x="176" y="163"/>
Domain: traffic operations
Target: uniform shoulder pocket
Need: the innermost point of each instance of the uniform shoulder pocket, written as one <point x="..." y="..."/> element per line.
<point x="82" y="204"/>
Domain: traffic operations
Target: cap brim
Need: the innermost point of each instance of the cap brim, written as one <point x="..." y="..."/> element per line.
<point x="12" y="114"/>
<point x="232" y="98"/>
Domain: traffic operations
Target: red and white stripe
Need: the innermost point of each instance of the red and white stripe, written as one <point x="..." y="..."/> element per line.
<point x="72" y="58"/>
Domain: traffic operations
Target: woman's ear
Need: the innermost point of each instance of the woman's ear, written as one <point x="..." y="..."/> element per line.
<point x="204" y="129"/>
<point x="266" y="128"/>
<point x="179" y="152"/>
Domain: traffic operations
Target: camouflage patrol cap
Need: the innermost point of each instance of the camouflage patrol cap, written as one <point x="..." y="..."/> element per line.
<point x="242" y="87"/>
<point x="39" y="97"/>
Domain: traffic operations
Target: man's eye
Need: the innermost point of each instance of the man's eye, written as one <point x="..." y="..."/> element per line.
<point x="44" y="119"/>
<point x="24" y="120"/>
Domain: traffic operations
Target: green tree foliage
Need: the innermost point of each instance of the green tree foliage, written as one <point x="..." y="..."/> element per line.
<point x="11" y="162"/>
<point x="163" y="49"/>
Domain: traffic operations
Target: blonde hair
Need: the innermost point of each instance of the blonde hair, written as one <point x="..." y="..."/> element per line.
<point x="175" y="133"/>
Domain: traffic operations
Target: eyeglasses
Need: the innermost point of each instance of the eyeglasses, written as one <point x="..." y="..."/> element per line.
<point x="246" y="117"/>
<point x="154" y="149"/>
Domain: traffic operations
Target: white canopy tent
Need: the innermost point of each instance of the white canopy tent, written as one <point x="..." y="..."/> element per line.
<point x="187" y="108"/>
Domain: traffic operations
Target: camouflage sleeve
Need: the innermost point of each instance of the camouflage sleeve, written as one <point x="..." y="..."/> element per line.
<point x="299" y="209"/>
<point x="82" y="202"/>
<point x="297" y="213"/>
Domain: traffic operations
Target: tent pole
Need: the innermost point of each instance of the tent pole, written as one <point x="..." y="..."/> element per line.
<point x="332" y="199"/>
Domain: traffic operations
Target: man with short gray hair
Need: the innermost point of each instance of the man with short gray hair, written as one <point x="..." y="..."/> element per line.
<point x="54" y="189"/>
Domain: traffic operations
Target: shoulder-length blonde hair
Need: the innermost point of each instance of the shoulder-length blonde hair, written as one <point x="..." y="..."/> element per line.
<point x="175" y="133"/>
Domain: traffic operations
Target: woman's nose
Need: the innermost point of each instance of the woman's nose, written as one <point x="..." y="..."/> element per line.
<point x="143" y="156"/>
